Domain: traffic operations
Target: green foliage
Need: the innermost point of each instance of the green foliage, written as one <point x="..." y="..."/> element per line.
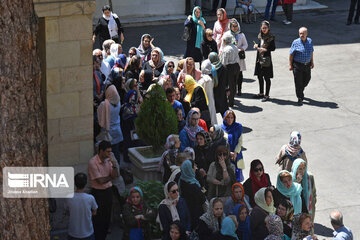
<point x="156" y="119"/>
<point x="153" y="195"/>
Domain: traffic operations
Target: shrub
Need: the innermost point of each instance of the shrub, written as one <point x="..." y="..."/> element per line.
<point x="156" y="119"/>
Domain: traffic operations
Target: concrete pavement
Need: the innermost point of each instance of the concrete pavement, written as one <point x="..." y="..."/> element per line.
<point x="329" y="120"/>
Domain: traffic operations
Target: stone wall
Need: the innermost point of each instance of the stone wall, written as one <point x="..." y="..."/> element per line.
<point x="68" y="32"/>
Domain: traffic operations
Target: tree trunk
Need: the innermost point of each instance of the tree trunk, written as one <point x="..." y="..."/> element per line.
<point x="22" y="117"/>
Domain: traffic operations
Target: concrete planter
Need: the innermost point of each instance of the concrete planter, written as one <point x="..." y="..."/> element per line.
<point x="144" y="168"/>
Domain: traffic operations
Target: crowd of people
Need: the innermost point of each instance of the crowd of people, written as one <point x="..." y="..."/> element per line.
<point x="206" y="194"/>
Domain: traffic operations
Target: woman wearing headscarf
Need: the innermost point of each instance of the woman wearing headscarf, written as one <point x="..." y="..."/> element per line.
<point x="221" y="174"/>
<point x="233" y="133"/>
<point x="173" y="208"/>
<point x="190" y="190"/>
<point x="286" y="188"/>
<point x="128" y="114"/>
<point x="136" y="215"/>
<point x="172" y="146"/>
<point x="221" y="85"/>
<point x="210" y="222"/>
<point x="285" y="211"/>
<point x="264" y="66"/>
<point x="258" y="179"/>
<point x="145" y="47"/>
<point x="197" y="98"/>
<point x="179" y="67"/>
<point x="168" y="72"/>
<point x="109" y="118"/>
<point x="243" y="230"/>
<point x="188" y="134"/>
<point x="220" y="26"/>
<point x="290" y="152"/>
<point x="115" y="51"/>
<point x="208" y="44"/>
<point x="177" y="232"/>
<point x="237" y="197"/>
<point x="121" y="62"/>
<point x="264" y="207"/>
<point x="108" y="27"/>
<point x="275" y="227"/>
<point x="230" y="59"/>
<point x="196" y="25"/>
<point x="239" y="40"/>
<point x="207" y="82"/>
<point x="302" y="227"/>
<point x="228" y="229"/>
<point x="217" y="136"/>
<point x="302" y="176"/>
<point x="118" y="81"/>
<point x="201" y="149"/>
<point x="156" y="65"/>
<point x="188" y="69"/>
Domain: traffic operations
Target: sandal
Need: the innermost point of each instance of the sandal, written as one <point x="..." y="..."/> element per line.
<point x="266" y="98"/>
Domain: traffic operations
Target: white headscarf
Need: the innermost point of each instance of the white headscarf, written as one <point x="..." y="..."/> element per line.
<point x="112" y="26"/>
<point x="114" y="50"/>
<point x="170" y="203"/>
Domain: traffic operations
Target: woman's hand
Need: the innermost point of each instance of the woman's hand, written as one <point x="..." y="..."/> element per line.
<point x="93" y="38"/>
<point x="202" y="172"/>
<point x="222" y="162"/>
<point x="216" y="182"/>
<point x="122" y="37"/>
<point x="233" y="155"/>
<point x="256" y="45"/>
<point x="201" y="23"/>
<point x="139" y="217"/>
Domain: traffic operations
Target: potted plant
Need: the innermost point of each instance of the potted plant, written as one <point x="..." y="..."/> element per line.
<point x="154" y="123"/>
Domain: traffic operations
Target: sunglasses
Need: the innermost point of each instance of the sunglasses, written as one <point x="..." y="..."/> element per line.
<point x="224" y="154"/>
<point x="258" y="169"/>
<point x="170" y="66"/>
<point x="175" y="191"/>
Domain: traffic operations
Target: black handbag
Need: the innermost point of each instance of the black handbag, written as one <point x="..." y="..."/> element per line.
<point x="242" y="54"/>
<point x="265" y="61"/>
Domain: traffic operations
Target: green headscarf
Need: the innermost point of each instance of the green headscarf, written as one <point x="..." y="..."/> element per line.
<point x="294" y="192"/>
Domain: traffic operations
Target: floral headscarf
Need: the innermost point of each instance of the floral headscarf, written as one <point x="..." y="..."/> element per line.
<point x="190" y="130"/>
<point x="275" y="227"/>
<point x="293" y="149"/>
<point x="297" y="231"/>
<point x="209" y="218"/>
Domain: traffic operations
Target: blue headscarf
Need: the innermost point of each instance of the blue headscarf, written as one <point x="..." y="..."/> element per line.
<point x="199" y="28"/>
<point x="120" y="61"/>
<point x="305" y="183"/>
<point x="129" y="109"/>
<point x="187" y="173"/>
<point x="243" y="227"/>
<point x="234" y="132"/>
<point x="294" y="192"/>
<point x="228" y="228"/>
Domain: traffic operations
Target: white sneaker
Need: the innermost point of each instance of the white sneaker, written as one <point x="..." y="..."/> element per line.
<point x="284" y="21"/>
<point x="287" y="22"/>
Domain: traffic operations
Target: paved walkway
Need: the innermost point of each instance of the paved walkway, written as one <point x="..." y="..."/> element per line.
<point x="329" y="120"/>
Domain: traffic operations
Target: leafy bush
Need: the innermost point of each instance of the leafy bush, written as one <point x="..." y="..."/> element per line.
<point x="153" y="195"/>
<point x="156" y="119"/>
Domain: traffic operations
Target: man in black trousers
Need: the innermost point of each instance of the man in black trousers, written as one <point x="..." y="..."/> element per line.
<point x="216" y="3"/>
<point x="351" y="12"/>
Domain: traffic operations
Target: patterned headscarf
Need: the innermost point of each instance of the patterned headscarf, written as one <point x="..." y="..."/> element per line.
<point x="293" y="148"/>
<point x="191" y="130"/>
<point x="209" y="218"/>
<point x="275" y="227"/>
<point x="297" y="231"/>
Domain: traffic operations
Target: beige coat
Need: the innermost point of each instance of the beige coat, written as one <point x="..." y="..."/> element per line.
<point x="284" y="162"/>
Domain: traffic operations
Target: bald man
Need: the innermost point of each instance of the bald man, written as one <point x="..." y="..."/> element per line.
<point x="341" y="232"/>
<point x="301" y="61"/>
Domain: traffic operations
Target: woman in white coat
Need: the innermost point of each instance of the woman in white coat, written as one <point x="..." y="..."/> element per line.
<point x="239" y="40"/>
<point x="207" y="82"/>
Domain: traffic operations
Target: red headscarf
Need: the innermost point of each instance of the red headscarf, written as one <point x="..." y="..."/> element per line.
<point x="255" y="183"/>
<point x="224" y="23"/>
<point x="235" y="185"/>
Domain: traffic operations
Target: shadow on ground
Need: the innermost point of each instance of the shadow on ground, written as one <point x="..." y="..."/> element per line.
<point x="323" y="230"/>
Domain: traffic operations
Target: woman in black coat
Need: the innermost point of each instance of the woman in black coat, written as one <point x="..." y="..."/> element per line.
<point x="208" y="44"/>
<point x="108" y="27"/>
<point x="264" y="66"/>
<point x="195" y="25"/>
<point x="156" y="65"/>
<point x="221" y="83"/>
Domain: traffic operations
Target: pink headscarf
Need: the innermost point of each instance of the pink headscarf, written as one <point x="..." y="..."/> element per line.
<point x="103" y="112"/>
<point x="196" y="74"/>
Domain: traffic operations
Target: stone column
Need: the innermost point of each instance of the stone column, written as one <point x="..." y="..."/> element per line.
<point x="68" y="32"/>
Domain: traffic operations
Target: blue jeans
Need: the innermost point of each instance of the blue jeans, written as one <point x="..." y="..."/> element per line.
<point x="267" y="9"/>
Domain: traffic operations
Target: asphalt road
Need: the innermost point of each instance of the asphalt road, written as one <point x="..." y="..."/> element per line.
<point x="329" y="120"/>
